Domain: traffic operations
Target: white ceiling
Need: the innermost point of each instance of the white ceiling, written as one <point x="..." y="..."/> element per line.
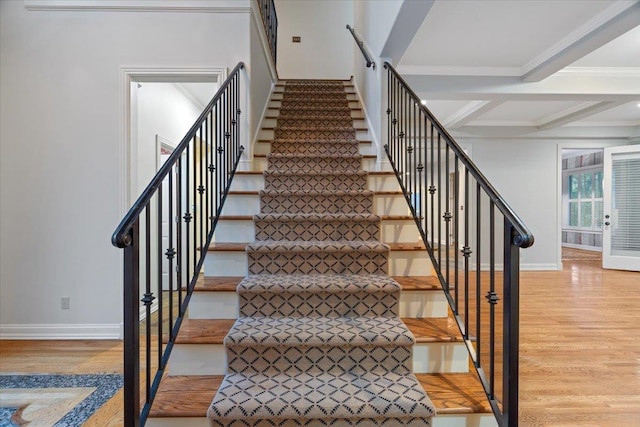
<point x="528" y="65"/>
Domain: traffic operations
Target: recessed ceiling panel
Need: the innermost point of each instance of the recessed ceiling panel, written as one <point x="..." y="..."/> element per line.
<point x="616" y="53"/>
<point x="495" y="33"/>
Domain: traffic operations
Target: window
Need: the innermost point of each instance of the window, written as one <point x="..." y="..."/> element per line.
<point x="585" y="200"/>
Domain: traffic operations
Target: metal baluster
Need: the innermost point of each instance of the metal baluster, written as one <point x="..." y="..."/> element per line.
<point x="160" y="287"/>
<point x="456" y="232"/>
<point x="447" y="215"/>
<point x="131" y="365"/>
<point x="478" y="271"/>
<point x="171" y="252"/>
<point x="466" y="252"/>
<point x="146" y="300"/>
<point x="511" y="332"/>
<point x="432" y="191"/>
<point x="492" y="300"/>
<point x="439" y="187"/>
<point x="179" y="236"/>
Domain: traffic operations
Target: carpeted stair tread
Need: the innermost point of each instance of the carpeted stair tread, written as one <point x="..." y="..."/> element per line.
<point x="297" y="345"/>
<point x="318" y="295"/>
<point x="313" y="226"/>
<point x="190" y="396"/>
<point x="326" y="399"/>
<point x="302" y="217"/>
<point x="318" y="331"/>
<point x="310" y="283"/>
<point x="348" y="146"/>
<point x="308" y="163"/>
<point x="283" y="201"/>
<point x="327" y="180"/>
<point x="312" y="246"/>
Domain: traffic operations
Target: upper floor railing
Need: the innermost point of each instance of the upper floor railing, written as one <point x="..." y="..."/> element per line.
<point x="472" y="236"/>
<point x="165" y="237"/>
<point x="270" y="21"/>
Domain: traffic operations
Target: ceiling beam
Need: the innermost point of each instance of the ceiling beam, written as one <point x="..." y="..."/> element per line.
<point x="579" y="114"/>
<point x="408" y="21"/>
<point x="616" y="20"/>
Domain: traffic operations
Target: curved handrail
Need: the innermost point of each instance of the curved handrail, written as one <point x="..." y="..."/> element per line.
<point x="524" y="238"/>
<point x="360" y="44"/>
<point x="120" y="237"/>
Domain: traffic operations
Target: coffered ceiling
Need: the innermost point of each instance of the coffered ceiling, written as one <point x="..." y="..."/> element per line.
<point x="496" y="67"/>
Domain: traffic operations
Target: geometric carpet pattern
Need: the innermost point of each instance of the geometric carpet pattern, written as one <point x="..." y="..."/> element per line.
<point x="318" y="341"/>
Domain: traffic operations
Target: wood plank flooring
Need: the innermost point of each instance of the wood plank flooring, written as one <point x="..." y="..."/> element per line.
<point x="579" y="351"/>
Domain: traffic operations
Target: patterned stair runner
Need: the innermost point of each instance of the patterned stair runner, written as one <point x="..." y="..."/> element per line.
<point x="318" y="340"/>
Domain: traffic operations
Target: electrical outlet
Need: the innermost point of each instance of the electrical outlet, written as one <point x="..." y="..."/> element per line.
<point x="65" y="303"/>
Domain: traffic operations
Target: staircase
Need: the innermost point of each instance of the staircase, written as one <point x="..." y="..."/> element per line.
<point x="317" y="307"/>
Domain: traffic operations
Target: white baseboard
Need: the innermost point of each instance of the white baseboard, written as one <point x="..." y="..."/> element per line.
<point x="61" y="332"/>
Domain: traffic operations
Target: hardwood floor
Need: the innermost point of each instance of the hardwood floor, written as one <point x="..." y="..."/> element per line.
<point x="579" y="350"/>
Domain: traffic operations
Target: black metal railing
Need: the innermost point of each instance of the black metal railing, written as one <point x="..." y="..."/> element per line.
<point x="165" y="237"/>
<point x="458" y="213"/>
<point x="270" y="21"/>
<point x="360" y="44"/>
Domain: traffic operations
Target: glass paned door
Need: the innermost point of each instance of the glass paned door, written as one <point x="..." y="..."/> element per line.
<point x="621" y="232"/>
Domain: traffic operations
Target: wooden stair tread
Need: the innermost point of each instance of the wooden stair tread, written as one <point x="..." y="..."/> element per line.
<point x="268" y="141"/>
<point x="364" y="156"/>
<point x="433" y="329"/>
<point x="375" y="192"/>
<point x="203" y="331"/>
<point x="229" y="283"/>
<point x="418" y="283"/>
<point x="250" y="217"/>
<point x="219" y="283"/>
<point x="185" y="396"/>
<point x="213" y="331"/>
<point x="370" y="173"/>
<point x="240" y="246"/>
<point x="190" y="396"/>
<point x="459" y="393"/>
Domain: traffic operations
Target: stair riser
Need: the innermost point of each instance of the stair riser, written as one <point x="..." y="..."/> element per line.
<point x="317" y="230"/>
<point x="363" y="147"/>
<point x="400" y="263"/>
<point x="273" y="114"/>
<point x="249" y="204"/>
<point x="313" y="99"/>
<point x="211" y="359"/>
<point x="391" y="231"/>
<point x="256" y="182"/>
<point x="305" y="304"/>
<point x="367" y="164"/>
<point x="317" y="263"/>
<point x="225" y="305"/>
<point x="319" y="122"/>
<point x="300" y="359"/>
<point x="293" y="134"/>
<point x="315" y="182"/>
<point x="464" y="420"/>
<point x="291" y="164"/>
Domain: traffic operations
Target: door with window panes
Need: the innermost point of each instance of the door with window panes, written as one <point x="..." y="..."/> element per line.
<point x="585" y="202"/>
<point x="621" y="231"/>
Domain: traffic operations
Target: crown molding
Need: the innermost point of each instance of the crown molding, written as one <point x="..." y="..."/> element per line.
<point x="193" y="6"/>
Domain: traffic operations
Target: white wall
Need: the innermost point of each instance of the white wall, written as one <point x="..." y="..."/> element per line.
<point x="526" y="173"/>
<point x="61" y="187"/>
<point x="262" y="81"/>
<point x="373" y="21"/>
<point x="326" y="48"/>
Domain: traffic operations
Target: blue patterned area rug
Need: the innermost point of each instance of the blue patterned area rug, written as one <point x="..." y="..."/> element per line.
<point x="54" y="400"/>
